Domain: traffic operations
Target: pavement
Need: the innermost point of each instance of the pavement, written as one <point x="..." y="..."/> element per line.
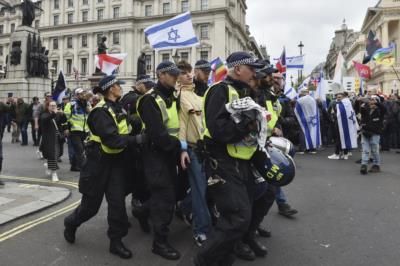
<point x="344" y="219"/>
<point x="18" y="200"/>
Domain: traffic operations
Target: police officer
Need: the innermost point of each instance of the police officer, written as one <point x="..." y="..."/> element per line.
<point x="228" y="160"/>
<point x="158" y="111"/>
<point x="77" y="112"/>
<point x="202" y="70"/>
<point x="103" y="172"/>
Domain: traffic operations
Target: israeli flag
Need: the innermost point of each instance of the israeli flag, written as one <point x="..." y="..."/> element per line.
<point x="176" y="32"/>
<point x="308" y="116"/>
<point x="348" y="125"/>
<point x="296" y="62"/>
<point x="290" y="92"/>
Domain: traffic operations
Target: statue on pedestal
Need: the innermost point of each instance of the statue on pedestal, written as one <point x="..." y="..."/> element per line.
<point x="101" y="49"/>
<point x="28" y="12"/>
<point x="141" y="65"/>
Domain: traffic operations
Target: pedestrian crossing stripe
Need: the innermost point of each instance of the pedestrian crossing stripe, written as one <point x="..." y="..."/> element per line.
<point x="26" y="226"/>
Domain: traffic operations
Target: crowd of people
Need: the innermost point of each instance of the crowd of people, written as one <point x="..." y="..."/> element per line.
<point x="179" y="147"/>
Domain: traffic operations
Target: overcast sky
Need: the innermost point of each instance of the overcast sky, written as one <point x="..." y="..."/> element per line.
<point x="281" y="23"/>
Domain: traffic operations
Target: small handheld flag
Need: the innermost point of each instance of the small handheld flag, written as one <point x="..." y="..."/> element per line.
<point x="108" y="63"/>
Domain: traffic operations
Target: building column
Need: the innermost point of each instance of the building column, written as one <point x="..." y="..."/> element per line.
<point x="91" y="67"/>
<point x="75" y="43"/>
<point x="130" y="49"/>
<point x="385" y="34"/>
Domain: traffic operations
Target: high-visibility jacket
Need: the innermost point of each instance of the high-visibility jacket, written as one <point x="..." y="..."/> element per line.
<point x="275" y="109"/>
<point x="169" y="115"/>
<point x="76" y="116"/>
<point x="238" y="150"/>
<point x="122" y="125"/>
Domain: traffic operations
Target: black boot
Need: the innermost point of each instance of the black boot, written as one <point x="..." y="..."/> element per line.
<point x="286" y="210"/>
<point x="364" y="169"/>
<point x="263" y="232"/>
<point x="165" y="250"/>
<point x="119" y="249"/>
<point x="258" y="249"/>
<point x="69" y="234"/>
<point x="243" y="251"/>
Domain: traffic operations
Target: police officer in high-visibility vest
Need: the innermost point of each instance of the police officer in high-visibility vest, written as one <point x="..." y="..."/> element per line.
<point x="103" y="171"/>
<point x="228" y="161"/>
<point x="158" y="111"/>
<point x="77" y="112"/>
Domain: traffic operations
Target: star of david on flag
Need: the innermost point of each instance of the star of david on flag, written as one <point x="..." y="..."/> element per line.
<point x="176" y="32"/>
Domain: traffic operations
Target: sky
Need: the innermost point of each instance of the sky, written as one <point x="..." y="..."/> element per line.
<point x="287" y="22"/>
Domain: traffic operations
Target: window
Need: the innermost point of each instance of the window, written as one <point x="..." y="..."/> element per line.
<point x="55" y="43"/>
<point x="70" y="18"/>
<point x="203" y="32"/>
<point x="148" y="10"/>
<point x="204" y="55"/>
<point x="116" y="37"/>
<point x="165" y="57"/>
<point x="1" y="50"/>
<point x="2" y="12"/>
<point x="56" y="19"/>
<point x="37" y="23"/>
<point x="84" y="40"/>
<point x="70" y="3"/>
<point x="69" y="66"/>
<point x="116" y="12"/>
<point x="69" y="42"/>
<point x="84" y="65"/>
<point x="99" y="1"/>
<point x="12" y="27"/>
<point x="85" y="2"/>
<point x="166" y="8"/>
<point x="185" y="5"/>
<point x="149" y="62"/>
<point x="85" y="16"/>
<point x="100" y="14"/>
<point x="1" y="29"/>
<point x="185" y="56"/>
<point x="56" y="4"/>
<point x="54" y="64"/>
<point x="12" y="10"/>
<point x="203" y="4"/>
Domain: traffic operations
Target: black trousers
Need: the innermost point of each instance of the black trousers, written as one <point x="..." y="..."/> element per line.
<point x="77" y="140"/>
<point x="102" y="175"/>
<point x="160" y="170"/>
<point x="233" y="203"/>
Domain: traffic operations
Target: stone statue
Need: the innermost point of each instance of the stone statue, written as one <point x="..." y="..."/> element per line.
<point x="28" y="54"/>
<point x="46" y="63"/>
<point x="34" y="58"/>
<point x="141" y="65"/>
<point x="102" y="48"/>
<point x="16" y="51"/>
<point x="41" y="61"/>
<point x="28" y="12"/>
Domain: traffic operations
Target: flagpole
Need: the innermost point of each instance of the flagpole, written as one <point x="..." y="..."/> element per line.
<point x="154" y="64"/>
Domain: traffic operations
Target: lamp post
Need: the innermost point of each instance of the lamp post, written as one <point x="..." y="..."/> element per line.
<point x="301" y="45"/>
<point x="52" y="72"/>
<point x="176" y="57"/>
<point x="291" y="80"/>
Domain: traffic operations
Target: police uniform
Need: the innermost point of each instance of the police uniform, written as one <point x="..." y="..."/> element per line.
<point x="77" y="113"/>
<point x="157" y="109"/>
<point x="103" y="171"/>
<point x="228" y="160"/>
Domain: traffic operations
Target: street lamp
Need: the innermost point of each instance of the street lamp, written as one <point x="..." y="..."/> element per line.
<point x="291" y="80"/>
<point x="176" y="57"/>
<point x="52" y="72"/>
<point x="301" y="45"/>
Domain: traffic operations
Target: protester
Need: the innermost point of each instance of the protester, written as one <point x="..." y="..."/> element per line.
<point x="51" y="122"/>
<point x="4" y="110"/>
<point x="22" y="118"/>
<point x="35" y="109"/>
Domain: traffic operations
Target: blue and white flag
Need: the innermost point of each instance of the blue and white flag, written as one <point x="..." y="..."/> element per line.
<point x="290" y="92"/>
<point x="348" y="125"/>
<point x="176" y="32"/>
<point x="320" y="92"/>
<point x="295" y="62"/>
<point x="308" y="116"/>
<point x="60" y="89"/>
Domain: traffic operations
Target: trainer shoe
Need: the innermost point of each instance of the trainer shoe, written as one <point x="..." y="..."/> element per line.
<point x="375" y="169"/>
<point x="46" y="169"/>
<point x="345" y="157"/>
<point x="364" y="169"/>
<point x="54" y="176"/>
<point x="200" y="239"/>
<point x="286" y="210"/>
<point x="334" y="157"/>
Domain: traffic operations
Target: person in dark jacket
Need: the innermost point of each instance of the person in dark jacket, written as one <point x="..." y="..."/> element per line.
<point x="22" y="118"/>
<point x="51" y="121"/>
<point x="4" y="110"/>
<point x="372" y="115"/>
<point x="202" y="70"/>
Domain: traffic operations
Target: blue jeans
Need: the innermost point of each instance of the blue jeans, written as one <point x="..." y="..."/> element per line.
<point x="370" y="145"/>
<point x="24" y="132"/>
<point x="280" y="196"/>
<point x="195" y="201"/>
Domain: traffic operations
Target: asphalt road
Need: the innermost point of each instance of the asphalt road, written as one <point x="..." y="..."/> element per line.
<point x="344" y="219"/>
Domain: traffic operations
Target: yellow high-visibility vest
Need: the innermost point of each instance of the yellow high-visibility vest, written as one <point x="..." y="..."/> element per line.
<point x="77" y="121"/>
<point x="275" y="110"/>
<point x="123" y="129"/>
<point x="237" y="150"/>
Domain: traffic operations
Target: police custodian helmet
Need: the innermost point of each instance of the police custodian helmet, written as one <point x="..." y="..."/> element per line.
<point x="280" y="167"/>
